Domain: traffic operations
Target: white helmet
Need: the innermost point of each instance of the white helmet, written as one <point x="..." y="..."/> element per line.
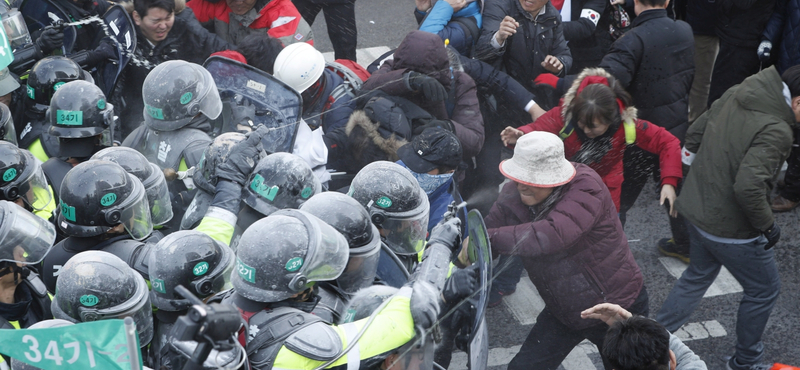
<point x="299" y="65"/>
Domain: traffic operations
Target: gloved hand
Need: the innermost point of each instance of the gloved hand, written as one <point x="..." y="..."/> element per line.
<point x="447" y="234"/>
<point x="106" y="51"/>
<point x="460" y="284"/>
<point x="243" y="113"/>
<point x="441" y="123"/>
<point x="547" y="79"/>
<point x="773" y="234"/>
<point x="242" y="158"/>
<point x="424" y="304"/>
<point x="427" y="85"/>
<point x="461" y="320"/>
<point x="764" y="50"/>
<point x="49" y="40"/>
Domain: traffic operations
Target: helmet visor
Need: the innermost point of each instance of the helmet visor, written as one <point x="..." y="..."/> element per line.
<point x="8" y="132"/>
<point x="136" y="216"/>
<point x="361" y="268"/>
<point x="24" y="237"/>
<point x="328" y="252"/>
<point x="196" y="210"/>
<point x="35" y="191"/>
<point x="158" y="196"/>
<point x="405" y="235"/>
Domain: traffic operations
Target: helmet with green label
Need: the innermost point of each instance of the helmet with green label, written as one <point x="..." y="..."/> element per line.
<point x="192" y="259"/>
<point x="205" y="177"/>
<point x="176" y="91"/>
<point x="97" y="196"/>
<point x="396" y="203"/>
<point x="280" y="181"/>
<point x="44" y="324"/>
<point x="7" y="131"/>
<point x="97" y="285"/>
<point x="22" y="177"/>
<point x="285" y="253"/>
<point x="349" y="218"/>
<point x="24" y="237"/>
<point x="155" y="184"/>
<point x="81" y="119"/>
<point x="47" y="76"/>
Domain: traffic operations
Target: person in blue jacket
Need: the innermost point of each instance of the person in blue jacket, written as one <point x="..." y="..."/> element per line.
<point x="456" y="20"/>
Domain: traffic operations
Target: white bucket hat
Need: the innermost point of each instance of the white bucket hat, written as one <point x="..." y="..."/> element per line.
<point x="539" y="161"/>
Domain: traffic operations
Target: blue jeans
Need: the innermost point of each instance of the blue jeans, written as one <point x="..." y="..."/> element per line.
<point x="752" y="266"/>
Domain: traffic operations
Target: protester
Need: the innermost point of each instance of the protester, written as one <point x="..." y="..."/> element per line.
<point x="233" y="20"/>
<point x="340" y="18"/>
<point x="457" y="21"/>
<point x="701" y="16"/>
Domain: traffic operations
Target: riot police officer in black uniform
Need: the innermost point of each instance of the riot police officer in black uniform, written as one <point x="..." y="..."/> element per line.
<point x="22" y="181"/>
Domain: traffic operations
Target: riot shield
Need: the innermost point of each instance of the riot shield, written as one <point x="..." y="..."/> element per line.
<point x="277" y="105"/>
<point x="391" y="269"/>
<point x="120" y="29"/>
<point x="39" y="14"/>
<point x="480" y="252"/>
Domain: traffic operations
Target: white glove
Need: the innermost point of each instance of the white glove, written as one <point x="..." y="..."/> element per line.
<point x="764" y="50"/>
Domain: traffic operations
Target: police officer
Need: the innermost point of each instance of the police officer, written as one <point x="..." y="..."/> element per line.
<point x="24" y="240"/>
<point x="22" y="181"/>
<point x="82" y="123"/>
<point x="96" y="285"/>
<point x="279" y="260"/>
<point x="45" y="78"/>
<point x="350" y="219"/>
<point x="202" y="265"/>
<point x="7" y="131"/>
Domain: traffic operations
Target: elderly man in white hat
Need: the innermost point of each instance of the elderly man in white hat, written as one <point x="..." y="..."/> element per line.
<point x="559" y="218"/>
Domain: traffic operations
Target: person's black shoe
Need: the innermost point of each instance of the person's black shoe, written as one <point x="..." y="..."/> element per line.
<point x="496" y="296"/>
<point x="668" y="247"/>
<point x="733" y="364"/>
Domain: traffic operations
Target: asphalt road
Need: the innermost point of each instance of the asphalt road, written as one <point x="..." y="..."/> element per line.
<point x="711" y="330"/>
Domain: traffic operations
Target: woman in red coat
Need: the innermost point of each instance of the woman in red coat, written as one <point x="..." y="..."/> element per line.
<point x="597" y="122"/>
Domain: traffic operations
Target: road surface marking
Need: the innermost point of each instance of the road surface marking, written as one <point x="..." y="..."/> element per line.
<point x="525" y="304"/>
<point x="363" y="56"/>
<point x="724" y="284"/>
<point x="700" y="330"/>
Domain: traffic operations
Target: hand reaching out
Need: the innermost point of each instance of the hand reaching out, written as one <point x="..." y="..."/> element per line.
<point x="510" y="135"/>
<point x="552" y="64"/>
<point x="508" y="27"/>
<point x="609" y="313"/>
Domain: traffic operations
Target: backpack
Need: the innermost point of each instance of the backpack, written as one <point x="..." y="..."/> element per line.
<point x="353" y="75"/>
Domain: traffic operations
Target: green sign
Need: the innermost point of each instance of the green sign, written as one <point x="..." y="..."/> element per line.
<point x="108" y="199"/>
<point x="10" y="174"/>
<point x="384" y="202"/>
<point x="245" y="272"/>
<point x="154" y="112"/>
<point x="307" y="192"/>
<point x="58" y="86"/>
<point x="6" y="54"/>
<point x="200" y="269"/>
<point x="69" y="117"/>
<point x="262" y="189"/>
<point x="294" y="264"/>
<point x="101" y="104"/>
<point x="158" y="285"/>
<point x="68" y="211"/>
<point x="31" y="91"/>
<point x="89" y="300"/>
<point x="98" y="345"/>
<point x="186" y="98"/>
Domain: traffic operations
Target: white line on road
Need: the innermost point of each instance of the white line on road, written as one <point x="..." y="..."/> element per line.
<point x="525" y="304"/>
<point x="724" y="284"/>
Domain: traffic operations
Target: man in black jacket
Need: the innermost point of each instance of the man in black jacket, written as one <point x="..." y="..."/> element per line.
<point x="586" y="31"/>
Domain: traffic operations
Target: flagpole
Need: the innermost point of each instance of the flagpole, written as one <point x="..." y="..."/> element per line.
<point x="132" y="341"/>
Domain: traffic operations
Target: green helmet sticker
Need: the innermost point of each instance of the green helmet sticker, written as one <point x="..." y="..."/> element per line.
<point x="67" y="211"/>
<point x="186" y="98"/>
<point x="69" y="117"/>
<point x="158" y="286"/>
<point x="258" y="186"/>
<point x="89" y="300"/>
<point x="31" y="92"/>
<point x="245" y="272"/>
<point x="294" y="264"/>
<point x="200" y="269"/>
<point x="101" y="104"/>
<point x="10" y="174"/>
<point x="154" y="112"/>
<point x="108" y="199"/>
<point x="384" y="202"/>
<point x="307" y="192"/>
<point x="349" y="316"/>
<point x="58" y="85"/>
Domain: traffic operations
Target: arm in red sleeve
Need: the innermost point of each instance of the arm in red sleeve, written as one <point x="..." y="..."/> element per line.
<point x="657" y="140"/>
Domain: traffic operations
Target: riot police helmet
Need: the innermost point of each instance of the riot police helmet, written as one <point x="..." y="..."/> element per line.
<point x="25" y="239"/>
<point x="81" y="119"/>
<point x="47" y="76"/>
<point x="280" y="181"/>
<point x="174" y="92"/>
<point x="22" y="177"/>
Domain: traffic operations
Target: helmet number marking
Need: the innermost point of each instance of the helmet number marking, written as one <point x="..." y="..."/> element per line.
<point x="245" y="272"/>
<point x="294" y="264"/>
<point x="10" y="174"/>
<point x="69" y="117"/>
<point x="108" y="199"/>
<point x="186" y="98"/>
<point x="67" y="211"/>
<point x="154" y="112"/>
<point x="89" y="300"/>
<point x="200" y="269"/>
<point x="31" y="92"/>
<point x="384" y="202"/>
<point x="58" y="86"/>
<point x="158" y="286"/>
<point x="307" y="192"/>
<point x="258" y="186"/>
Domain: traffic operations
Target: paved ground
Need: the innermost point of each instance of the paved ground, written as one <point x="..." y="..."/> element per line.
<point x="711" y="331"/>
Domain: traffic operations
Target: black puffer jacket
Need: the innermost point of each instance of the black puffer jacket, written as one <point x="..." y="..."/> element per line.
<point x="523" y="53"/>
<point x="783" y="30"/>
<point x="587" y="33"/>
<point x="741" y="22"/>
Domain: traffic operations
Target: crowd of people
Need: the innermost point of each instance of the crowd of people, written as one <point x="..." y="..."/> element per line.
<point x="213" y="148"/>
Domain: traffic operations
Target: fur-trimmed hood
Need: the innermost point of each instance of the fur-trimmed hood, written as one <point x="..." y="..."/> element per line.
<point x="629" y="114"/>
<point x="362" y="134"/>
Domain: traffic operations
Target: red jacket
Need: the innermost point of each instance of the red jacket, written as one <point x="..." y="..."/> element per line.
<point x="279" y="18"/>
<point x="649" y="137"/>
<point x="577" y="256"/>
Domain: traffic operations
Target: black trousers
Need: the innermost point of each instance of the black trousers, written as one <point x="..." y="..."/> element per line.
<point x="792" y="189"/>
<point x="340" y="17"/>
<point x="732" y="66"/>
<point x="550" y="341"/>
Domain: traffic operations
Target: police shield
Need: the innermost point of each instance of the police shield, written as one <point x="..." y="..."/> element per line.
<point x="39" y="14"/>
<point x="123" y="35"/>
<point x="480" y="252"/>
<point x="391" y="269"/>
<point x="277" y="105"/>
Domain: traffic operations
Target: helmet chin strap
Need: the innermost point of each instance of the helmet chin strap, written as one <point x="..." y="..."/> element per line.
<point x="20" y="273"/>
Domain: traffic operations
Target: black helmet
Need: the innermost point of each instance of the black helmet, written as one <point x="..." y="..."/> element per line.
<point x="7" y="130"/>
<point x="97" y="285"/>
<point x="283" y="254"/>
<point x="279" y="181"/>
<point x="349" y="218"/>
<point x="155" y="184"/>
<point x="47" y="76"/>
<point x="81" y="119"/>
<point x="99" y="195"/>
<point x="396" y="204"/>
<point x="175" y="91"/>
<point x="21" y="176"/>
<point x="45" y="324"/>
<point x="192" y="259"/>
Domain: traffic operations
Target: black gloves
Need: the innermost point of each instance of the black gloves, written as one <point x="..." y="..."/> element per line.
<point x="424" y="304"/>
<point x="460" y="284"/>
<point x="242" y="158"/>
<point x="441" y="123"/>
<point x="447" y="233"/>
<point x="105" y="51"/>
<point x="427" y="85"/>
<point x="49" y="40"/>
<point x="773" y="234"/>
<point x="243" y="113"/>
